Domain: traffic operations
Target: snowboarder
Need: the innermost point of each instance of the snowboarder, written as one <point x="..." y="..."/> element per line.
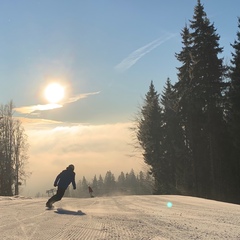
<point x="90" y="191"/>
<point x="62" y="181"/>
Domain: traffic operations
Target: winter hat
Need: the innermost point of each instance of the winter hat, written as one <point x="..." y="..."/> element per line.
<point x="71" y="166"/>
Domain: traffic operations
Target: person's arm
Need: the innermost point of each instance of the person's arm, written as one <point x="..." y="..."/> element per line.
<point x="57" y="180"/>
<point x="73" y="181"/>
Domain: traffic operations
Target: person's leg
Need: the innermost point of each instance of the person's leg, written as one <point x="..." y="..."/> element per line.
<point x="57" y="197"/>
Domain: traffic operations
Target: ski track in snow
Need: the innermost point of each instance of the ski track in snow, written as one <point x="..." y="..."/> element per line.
<point x="119" y="217"/>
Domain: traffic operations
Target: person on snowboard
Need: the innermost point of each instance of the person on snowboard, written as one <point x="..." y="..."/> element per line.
<point x="62" y="181"/>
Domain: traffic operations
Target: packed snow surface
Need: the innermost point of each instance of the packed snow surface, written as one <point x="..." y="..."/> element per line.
<point x="119" y="217"/>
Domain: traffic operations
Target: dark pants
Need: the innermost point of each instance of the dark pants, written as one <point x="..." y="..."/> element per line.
<point x="57" y="197"/>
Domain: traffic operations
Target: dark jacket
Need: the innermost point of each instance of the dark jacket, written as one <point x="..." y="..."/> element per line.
<point x="65" y="178"/>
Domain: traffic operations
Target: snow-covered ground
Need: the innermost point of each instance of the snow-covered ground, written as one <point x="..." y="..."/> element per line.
<point x="122" y="217"/>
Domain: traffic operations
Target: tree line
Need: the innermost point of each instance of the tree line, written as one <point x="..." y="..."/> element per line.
<point x="13" y="152"/>
<point x="124" y="184"/>
<point x="190" y="133"/>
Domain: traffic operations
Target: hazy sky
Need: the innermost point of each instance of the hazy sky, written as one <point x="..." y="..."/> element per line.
<point x="104" y="54"/>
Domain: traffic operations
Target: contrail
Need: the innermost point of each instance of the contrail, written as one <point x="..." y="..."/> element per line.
<point x="140" y="52"/>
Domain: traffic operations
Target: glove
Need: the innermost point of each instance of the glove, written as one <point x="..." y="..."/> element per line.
<point x="74" y="188"/>
<point x="55" y="185"/>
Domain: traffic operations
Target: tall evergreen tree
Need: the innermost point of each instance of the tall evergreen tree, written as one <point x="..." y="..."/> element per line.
<point x="186" y="108"/>
<point x="145" y="183"/>
<point x="184" y="84"/>
<point x="207" y="86"/>
<point x="84" y="187"/>
<point x="234" y="119"/>
<point x="95" y="186"/>
<point x="100" y="184"/>
<point x="200" y="105"/>
<point x="122" y="182"/>
<point x="149" y="134"/>
<point x="132" y="180"/>
<point x="175" y="168"/>
<point x="235" y="90"/>
<point x="109" y="182"/>
<point x="182" y="88"/>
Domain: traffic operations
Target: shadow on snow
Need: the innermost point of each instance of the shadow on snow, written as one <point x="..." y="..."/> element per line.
<point x="69" y="212"/>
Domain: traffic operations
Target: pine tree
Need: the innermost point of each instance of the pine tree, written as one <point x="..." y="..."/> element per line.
<point x="121" y="182"/>
<point x="175" y="168"/>
<point x="186" y="110"/>
<point x="207" y="86"/>
<point x="183" y="88"/>
<point x="145" y="186"/>
<point x="100" y="184"/>
<point x="234" y="112"/>
<point x="132" y="182"/>
<point x="84" y="187"/>
<point x="109" y="183"/>
<point x="149" y="134"/>
<point x="95" y="186"/>
<point x="235" y="91"/>
<point x="189" y="109"/>
<point x="200" y="104"/>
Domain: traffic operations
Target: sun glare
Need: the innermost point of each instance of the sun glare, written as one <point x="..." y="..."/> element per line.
<point x="54" y="92"/>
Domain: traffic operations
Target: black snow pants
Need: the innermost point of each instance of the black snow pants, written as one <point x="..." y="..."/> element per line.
<point x="57" y="197"/>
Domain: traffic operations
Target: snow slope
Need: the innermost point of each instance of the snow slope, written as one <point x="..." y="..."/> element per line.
<point x="122" y="217"/>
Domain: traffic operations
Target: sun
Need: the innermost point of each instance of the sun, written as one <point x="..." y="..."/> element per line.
<point x="54" y="92"/>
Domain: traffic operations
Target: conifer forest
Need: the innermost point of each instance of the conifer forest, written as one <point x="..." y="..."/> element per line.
<point x="190" y="133"/>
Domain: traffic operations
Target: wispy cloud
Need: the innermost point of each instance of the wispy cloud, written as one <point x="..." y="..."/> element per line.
<point x="141" y="52"/>
<point x="36" y="108"/>
<point x="80" y="96"/>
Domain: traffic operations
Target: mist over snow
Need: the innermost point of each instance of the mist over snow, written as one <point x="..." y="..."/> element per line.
<point x="93" y="149"/>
